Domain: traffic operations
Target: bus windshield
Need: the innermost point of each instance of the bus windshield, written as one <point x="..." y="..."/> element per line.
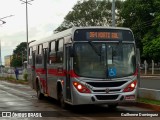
<point x="104" y="60"/>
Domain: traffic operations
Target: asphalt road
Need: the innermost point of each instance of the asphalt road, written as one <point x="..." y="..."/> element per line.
<point x="150" y="82"/>
<point x="17" y="98"/>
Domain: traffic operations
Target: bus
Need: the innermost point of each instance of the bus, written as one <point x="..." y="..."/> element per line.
<point x="85" y="65"/>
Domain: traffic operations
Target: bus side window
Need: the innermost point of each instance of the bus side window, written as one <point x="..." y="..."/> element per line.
<point x="39" y="55"/>
<point x="52" y="52"/>
<point x="60" y="51"/>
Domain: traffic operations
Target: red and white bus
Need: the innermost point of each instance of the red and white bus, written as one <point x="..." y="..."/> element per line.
<point x="85" y="65"/>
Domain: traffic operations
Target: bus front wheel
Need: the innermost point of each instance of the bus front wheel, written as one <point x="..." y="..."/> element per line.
<point x="61" y="100"/>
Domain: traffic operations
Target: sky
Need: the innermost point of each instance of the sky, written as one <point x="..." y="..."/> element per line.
<point x="44" y="16"/>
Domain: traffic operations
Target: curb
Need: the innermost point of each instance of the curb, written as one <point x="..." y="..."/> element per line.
<point x="150" y="77"/>
<point x="143" y="105"/>
<point x="150" y="106"/>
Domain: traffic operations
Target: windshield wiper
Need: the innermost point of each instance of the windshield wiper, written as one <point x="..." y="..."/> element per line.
<point x="94" y="48"/>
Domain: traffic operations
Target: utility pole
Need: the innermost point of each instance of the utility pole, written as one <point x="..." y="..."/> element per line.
<point x="27" y="2"/>
<point x="113" y="13"/>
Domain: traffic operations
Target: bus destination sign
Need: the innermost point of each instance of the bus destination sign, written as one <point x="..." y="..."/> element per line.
<point x="104" y="35"/>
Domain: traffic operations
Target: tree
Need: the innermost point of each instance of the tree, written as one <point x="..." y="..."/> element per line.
<point x="139" y="15"/>
<point x="90" y="13"/>
<point x="18" y="54"/>
<point x="151" y="41"/>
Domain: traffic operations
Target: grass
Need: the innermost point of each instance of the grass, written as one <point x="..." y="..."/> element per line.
<point x="149" y="101"/>
<point x="13" y="80"/>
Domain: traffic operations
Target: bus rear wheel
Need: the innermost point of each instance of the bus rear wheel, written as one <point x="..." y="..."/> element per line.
<point x="40" y="96"/>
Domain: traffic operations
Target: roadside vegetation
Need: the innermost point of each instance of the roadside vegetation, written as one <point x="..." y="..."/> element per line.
<point x="13" y="80"/>
<point x="148" y="101"/>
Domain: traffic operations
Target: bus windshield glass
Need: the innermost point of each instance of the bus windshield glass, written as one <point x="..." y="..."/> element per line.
<point x="104" y="59"/>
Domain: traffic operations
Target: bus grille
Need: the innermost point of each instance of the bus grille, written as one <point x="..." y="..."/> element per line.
<point x="107" y="84"/>
<point x="106" y="97"/>
<point x="114" y="90"/>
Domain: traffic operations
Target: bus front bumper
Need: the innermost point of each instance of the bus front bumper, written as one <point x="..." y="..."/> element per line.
<point x="92" y="98"/>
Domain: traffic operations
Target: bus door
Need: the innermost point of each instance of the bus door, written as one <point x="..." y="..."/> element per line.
<point x="45" y="51"/>
<point x="67" y="67"/>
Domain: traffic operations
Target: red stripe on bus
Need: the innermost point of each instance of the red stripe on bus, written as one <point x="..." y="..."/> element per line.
<point x="41" y="70"/>
<point x="33" y="67"/>
<point x="136" y="72"/>
<point x="44" y="85"/>
<point x="73" y="74"/>
<point x="57" y="72"/>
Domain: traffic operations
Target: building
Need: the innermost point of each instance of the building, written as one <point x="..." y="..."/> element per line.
<point x="7" y="60"/>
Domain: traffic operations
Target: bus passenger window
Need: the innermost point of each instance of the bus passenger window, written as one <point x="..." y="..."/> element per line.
<point x="40" y="49"/>
<point x="52" y="58"/>
<point x="52" y="46"/>
<point x="59" y="57"/>
<point x="52" y="53"/>
<point x="39" y="55"/>
<point x="60" y="51"/>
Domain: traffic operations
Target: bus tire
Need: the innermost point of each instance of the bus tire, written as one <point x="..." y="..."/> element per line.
<point x="62" y="103"/>
<point x="113" y="106"/>
<point x="40" y="96"/>
<point x="61" y="98"/>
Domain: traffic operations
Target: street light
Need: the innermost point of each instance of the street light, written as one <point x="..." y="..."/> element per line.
<point x="3" y="22"/>
<point x="27" y="2"/>
<point x="31" y="41"/>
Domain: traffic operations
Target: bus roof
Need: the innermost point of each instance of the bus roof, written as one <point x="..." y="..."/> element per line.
<point x="52" y="37"/>
<point x="70" y="32"/>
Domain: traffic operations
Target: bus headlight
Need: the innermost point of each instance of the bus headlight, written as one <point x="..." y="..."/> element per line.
<point x="130" y="87"/>
<point x="81" y="88"/>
